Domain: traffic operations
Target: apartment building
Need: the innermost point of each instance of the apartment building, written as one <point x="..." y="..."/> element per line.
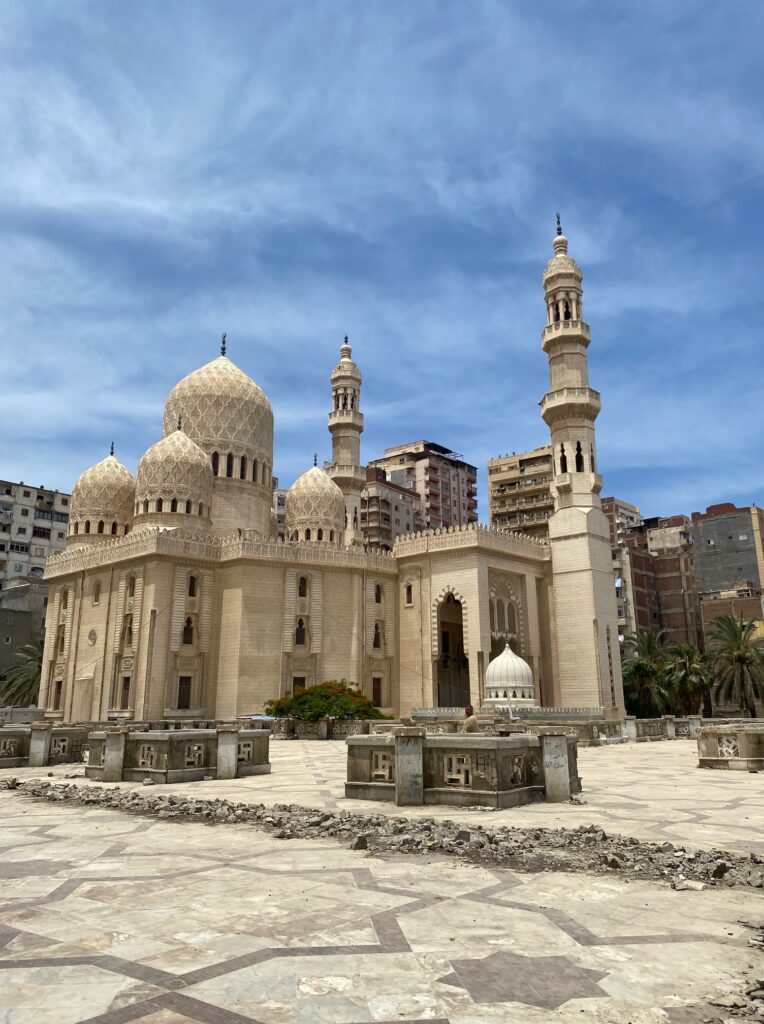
<point x="728" y="547"/>
<point x="33" y="526"/>
<point x="446" y="483"/>
<point x="388" y="509"/>
<point x="520" y="491"/>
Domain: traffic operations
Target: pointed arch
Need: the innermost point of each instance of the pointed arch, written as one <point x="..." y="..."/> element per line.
<point x="434" y="631"/>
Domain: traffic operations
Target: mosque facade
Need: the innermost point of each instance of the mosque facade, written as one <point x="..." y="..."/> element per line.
<point x="176" y="599"/>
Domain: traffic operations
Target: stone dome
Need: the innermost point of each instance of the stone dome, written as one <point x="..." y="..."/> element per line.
<point x="561" y="262"/>
<point x="315" y="508"/>
<point x="175" y="471"/>
<point x="105" y="495"/>
<point x="223" y="410"/>
<point x="509" y="678"/>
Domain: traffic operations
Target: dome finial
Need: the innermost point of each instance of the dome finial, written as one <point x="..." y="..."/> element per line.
<point x="315" y="458"/>
<point x="559" y="226"/>
<point x="111" y="450"/>
<point x="222" y="344"/>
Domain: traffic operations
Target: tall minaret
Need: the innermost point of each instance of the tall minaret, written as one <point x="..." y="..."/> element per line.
<point x="586" y="618"/>
<point x="346" y="427"/>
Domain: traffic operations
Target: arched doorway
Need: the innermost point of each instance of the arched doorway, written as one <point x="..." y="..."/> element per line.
<point x="452" y="666"/>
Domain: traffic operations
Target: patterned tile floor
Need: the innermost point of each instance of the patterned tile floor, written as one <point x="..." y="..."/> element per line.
<point x="108" y="918"/>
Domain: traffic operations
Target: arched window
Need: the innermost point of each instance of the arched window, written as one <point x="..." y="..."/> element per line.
<point x="243" y="468"/>
<point x="409" y="593"/>
<point x="264" y="474"/>
<point x="160" y="505"/>
<point x="229" y="464"/>
<point x="331" y="536"/>
<point x="87" y="526"/>
<point x="188" y="631"/>
<point x="188" y="508"/>
<point x="215" y="463"/>
<point x="566" y="310"/>
<point x="192" y="586"/>
<point x="302" y="588"/>
<point x="76" y="527"/>
<point x="377" y="636"/>
<point x="556" y="312"/>
<point x="511" y="619"/>
<point x="377" y="594"/>
<point x="320" y="534"/>
<point x="501" y="621"/>
<point x="492" y="616"/>
<point x="145" y="506"/>
<point x="352" y="401"/>
<point x="97" y="592"/>
<point x="131" y="586"/>
<point x="299" y="633"/>
<point x="100" y="526"/>
<point x="128" y="631"/>
<point x="254" y="470"/>
<point x="113" y="528"/>
<point x="174" y="505"/>
<point x="127" y="529"/>
<point x="579" y="458"/>
<point x="563" y="460"/>
<point x="307" y="534"/>
<point x="295" y="535"/>
<point x="591" y="456"/>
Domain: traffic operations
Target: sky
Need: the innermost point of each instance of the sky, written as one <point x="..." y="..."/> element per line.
<point x="291" y="173"/>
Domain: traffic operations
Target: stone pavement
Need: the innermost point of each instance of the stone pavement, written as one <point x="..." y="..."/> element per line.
<point x="107" y="918"/>
<point x="653" y="791"/>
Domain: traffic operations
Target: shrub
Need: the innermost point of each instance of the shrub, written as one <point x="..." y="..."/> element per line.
<point x="326" y="700"/>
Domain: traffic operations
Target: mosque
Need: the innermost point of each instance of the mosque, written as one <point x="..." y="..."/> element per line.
<point x="175" y="598"/>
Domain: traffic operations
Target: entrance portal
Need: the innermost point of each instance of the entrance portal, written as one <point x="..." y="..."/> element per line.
<point x="452" y="667"/>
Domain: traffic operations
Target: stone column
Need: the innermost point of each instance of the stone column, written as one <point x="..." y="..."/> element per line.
<point x="114" y="754"/>
<point x="630" y="728"/>
<point x="39" y="744"/>
<point x="325" y="728"/>
<point x="409" y="766"/>
<point x="670" y="727"/>
<point x="695" y="722"/>
<point x="228" y="751"/>
<point x="554" y="758"/>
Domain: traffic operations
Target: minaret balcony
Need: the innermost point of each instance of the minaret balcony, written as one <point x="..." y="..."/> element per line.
<point x="581" y="403"/>
<point x="346" y="418"/>
<point x="564" y="330"/>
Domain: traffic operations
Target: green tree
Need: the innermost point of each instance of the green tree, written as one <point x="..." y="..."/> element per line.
<point x="689" y="676"/>
<point x="22" y="683"/>
<point x="326" y="700"/>
<point x="738" y="655"/>
<point x="645" y="657"/>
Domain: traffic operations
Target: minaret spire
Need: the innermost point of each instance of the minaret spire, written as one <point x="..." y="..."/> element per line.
<point x="346" y="427"/>
<point x="111" y="450"/>
<point x="222" y="344"/>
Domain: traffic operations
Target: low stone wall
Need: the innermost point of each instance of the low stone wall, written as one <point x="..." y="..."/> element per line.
<point x="588" y="734"/>
<point x="323" y="729"/>
<point x="41" y="744"/>
<point x="413" y="767"/>
<point x="738" y="747"/>
<point x="183" y="755"/>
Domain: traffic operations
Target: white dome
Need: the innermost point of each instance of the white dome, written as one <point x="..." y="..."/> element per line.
<point x="509" y="677"/>
<point x="105" y="494"/>
<point x="223" y="410"/>
<point x="175" y="468"/>
<point x="314" y="502"/>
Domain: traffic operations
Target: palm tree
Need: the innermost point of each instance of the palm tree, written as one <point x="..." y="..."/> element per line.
<point x="689" y="675"/>
<point x="644" y="673"/>
<point x="22" y="683"/>
<point x="739" y="662"/>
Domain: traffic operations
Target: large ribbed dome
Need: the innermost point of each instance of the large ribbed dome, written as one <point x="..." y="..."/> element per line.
<point x="508" y="676"/>
<point x="175" y="467"/>
<point x="315" y="503"/>
<point x="104" y="493"/>
<point x="223" y="410"/>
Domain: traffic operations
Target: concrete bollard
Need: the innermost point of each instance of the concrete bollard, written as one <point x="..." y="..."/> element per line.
<point x="409" y="766"/>
<point x="554" y="758"/>
<point x="39" y="744"/>
<point x="228" y="751"/>
<point x="114" y="754"/>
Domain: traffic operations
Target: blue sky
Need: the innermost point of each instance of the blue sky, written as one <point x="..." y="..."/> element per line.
<point x="290" y="173"/>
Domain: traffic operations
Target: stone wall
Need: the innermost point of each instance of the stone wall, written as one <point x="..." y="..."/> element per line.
<point x="739" y="747"/>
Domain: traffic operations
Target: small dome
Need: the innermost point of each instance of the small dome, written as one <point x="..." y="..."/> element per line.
<point x="222" y="409"/>
<point x="508" y="672"/>
<point x="175" y="468"/>
<point x="315" y="503"/>
<point x="104" y="494"/>
<point x="561" y="263"/>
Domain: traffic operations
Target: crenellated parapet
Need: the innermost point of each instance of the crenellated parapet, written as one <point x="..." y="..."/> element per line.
<point x="471" y="535"/>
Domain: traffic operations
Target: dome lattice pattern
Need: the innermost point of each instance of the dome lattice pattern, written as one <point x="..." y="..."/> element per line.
<point x="223" y="410"/>
<point x="105" y="491"/>
<point x="314" y="501"/>
<point x="175" y="467"/>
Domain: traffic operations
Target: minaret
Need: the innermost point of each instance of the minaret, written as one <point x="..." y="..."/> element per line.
<point x="586" y="618"/>
<point x="346" y="427"/>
